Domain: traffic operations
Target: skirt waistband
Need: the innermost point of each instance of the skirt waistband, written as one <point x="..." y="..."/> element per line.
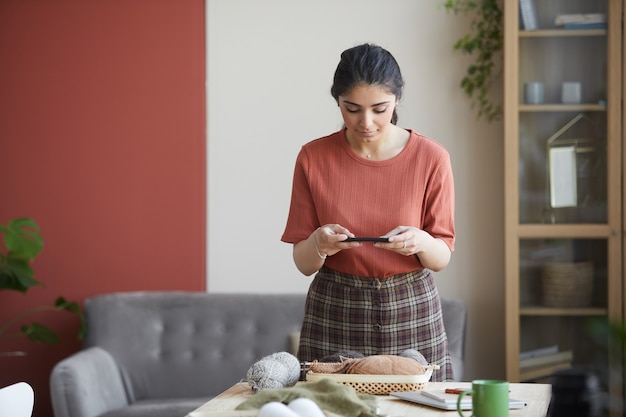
<point x="366" y="282"/>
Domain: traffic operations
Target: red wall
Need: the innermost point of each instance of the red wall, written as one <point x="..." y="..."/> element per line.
<point x="102" y="142"/>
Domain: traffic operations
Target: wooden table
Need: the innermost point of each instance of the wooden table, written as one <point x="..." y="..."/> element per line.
<point x="536" y="395"/>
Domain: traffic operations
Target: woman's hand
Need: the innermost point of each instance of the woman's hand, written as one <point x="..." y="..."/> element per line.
<point x="432" y="252"/>
<point x="330" y="239"/>
<point x="309" y="254"/>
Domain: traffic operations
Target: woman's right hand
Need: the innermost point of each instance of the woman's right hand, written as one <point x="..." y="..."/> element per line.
<point x="310" y="254"/>
<point x="330" y="238"/>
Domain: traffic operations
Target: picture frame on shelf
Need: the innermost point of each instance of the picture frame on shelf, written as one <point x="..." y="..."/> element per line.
<point x="563" y="190"/>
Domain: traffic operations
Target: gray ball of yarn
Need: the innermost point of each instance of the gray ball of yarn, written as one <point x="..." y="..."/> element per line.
<point x="414" y="354"/>
<point x="278" y="370"/>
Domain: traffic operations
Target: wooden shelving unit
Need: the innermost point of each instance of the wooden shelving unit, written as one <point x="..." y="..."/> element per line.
<point x="591" y="230"/>
<point x="558" y="312"/>
<point x="555" y="33"/>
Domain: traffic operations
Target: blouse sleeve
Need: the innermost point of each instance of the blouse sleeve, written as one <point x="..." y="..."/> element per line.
<point x="439" y="208"/>
<point x="302" y="218"/>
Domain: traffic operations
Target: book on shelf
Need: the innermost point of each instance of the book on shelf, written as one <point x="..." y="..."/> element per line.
<point x="528" y="15"/>
<point x="547" y="350"/>
<point x="585" y="26"/>
<point x="589" y="18"/>
<point x="541" y="372"/>
<point x="545" y="360"/>
<point x="581" y="21"/>
<point x="542" y="363"/>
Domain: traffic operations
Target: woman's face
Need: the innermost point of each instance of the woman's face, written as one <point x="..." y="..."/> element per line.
<point x="367" y="112"/>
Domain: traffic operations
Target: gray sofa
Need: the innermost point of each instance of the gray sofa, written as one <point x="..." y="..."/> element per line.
<point x="163" y="354"/>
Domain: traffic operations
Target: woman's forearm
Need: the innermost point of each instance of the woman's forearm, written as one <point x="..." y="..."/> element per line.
<point x="308" y="256"/>
<point x="436" y="254"/>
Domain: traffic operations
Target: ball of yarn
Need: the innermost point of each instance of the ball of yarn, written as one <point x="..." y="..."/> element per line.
<point x="278" y="370"/>
<point x="291" y="363"/>
<point x="414" y="354"/>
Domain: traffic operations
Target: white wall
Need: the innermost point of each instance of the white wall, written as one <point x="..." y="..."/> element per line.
<point x="270" y="66"/>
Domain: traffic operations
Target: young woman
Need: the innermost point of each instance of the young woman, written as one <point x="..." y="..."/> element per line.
<point x="372" y="179"/>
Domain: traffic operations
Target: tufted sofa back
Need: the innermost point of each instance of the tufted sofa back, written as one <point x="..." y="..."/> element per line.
<point x="189" y="344"/>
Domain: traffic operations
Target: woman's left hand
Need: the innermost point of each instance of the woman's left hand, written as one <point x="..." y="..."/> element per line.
<point x="405" y="240"/>
<point x="432" y="252"/>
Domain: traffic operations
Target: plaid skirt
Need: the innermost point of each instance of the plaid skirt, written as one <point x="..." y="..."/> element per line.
<point x="375" y="317"/>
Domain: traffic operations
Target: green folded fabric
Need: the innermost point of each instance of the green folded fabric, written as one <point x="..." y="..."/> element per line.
<point x="329" y="395"/>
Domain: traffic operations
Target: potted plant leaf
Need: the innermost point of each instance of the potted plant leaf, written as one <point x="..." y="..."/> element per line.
<point x="484" y="44"/>
<point x="22" y="243"/>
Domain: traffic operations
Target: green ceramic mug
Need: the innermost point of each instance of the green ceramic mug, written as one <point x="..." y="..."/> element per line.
<point x="490" y="398"/>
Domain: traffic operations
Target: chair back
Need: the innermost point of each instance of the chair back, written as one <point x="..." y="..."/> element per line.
<point x="17" y="400"/>
<point x="455" y="321"/>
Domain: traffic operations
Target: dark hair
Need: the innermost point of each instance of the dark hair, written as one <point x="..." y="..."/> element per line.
<point x="367" y="64"/>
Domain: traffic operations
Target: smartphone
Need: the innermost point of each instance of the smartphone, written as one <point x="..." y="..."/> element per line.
<point x="367" y="239"/>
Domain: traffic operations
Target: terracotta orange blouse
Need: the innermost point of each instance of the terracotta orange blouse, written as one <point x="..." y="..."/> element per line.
<point x="332" y="184"/>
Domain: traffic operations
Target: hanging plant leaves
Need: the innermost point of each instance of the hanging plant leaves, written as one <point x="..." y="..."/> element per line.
<point x="484" y="43"/>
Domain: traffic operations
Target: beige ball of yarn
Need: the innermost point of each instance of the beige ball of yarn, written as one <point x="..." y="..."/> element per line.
<point x="278" y="370"/>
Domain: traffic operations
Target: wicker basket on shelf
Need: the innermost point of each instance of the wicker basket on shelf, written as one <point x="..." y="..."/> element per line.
<point x="567" y="284"/>
<point x="377" y="384"/>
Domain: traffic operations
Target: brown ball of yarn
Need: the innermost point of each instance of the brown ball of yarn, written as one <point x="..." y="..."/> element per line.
<point x="386" y="365"/>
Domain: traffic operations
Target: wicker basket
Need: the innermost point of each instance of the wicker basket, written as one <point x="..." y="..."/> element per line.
<point x="567" y="284"/>
<point x="377" y="384"/>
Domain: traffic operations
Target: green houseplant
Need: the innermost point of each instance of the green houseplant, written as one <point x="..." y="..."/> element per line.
<point x="22" y="243"/>
<point x="484" y="43"/>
